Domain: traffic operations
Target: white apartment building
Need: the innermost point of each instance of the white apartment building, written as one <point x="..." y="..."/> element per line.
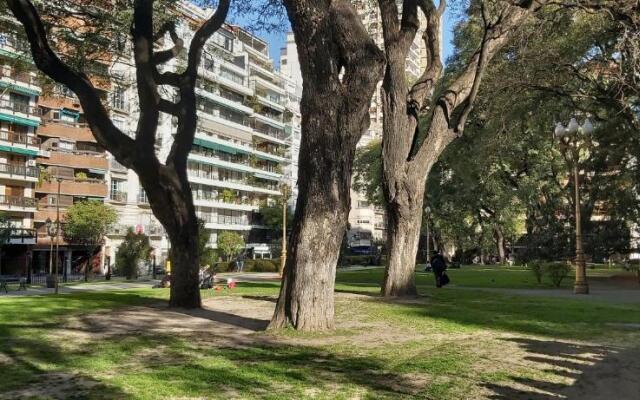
<point x="246" y="144"/>
<point x="366" y="221"/>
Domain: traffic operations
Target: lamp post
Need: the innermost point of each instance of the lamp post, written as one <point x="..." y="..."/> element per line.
<point x="59" y="179"/>
<point x="427" y="211"/>
<point x="51" y="231"/>
<point x="285" y="190"/>
<point x="571" y="140"/>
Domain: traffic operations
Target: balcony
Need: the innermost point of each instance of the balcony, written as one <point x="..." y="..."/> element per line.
<point x="76" y="187"/>
<point x="23" y="83"/>
<point x="57" y="102"/>
<point x="50" y="213"/>
<point x="257" y="81"/>
<point x="19" y="113"/>
<point x="77" y="159"/>
<point x="118" y="196"/>
<point x="20" y="173"/>
<point x="115" y="166"/>
<point x="216" y="202"/>
<point x="67" y="130"/>
<point x="20" y="143"/>
<point x="152" y="230"/>
<point x="18" y="203"/>
<point x="22" y="236"/>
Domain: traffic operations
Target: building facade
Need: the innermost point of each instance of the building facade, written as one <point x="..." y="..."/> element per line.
<point x="246" y="147"/>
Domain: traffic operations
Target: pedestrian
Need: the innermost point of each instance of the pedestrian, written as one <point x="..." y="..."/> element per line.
<point x="240" y="262"/>
<point x="439" y="266"/>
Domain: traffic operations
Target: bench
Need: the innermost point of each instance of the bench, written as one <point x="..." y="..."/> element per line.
<point x="4" y="283"/>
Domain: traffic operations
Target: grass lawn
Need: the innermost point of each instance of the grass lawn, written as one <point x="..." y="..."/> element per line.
<point x="479" y="276"/>
<point x="449" y="344"/>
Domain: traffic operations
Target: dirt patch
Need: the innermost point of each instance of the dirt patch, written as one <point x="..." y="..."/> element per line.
<point x="59" y="386"/>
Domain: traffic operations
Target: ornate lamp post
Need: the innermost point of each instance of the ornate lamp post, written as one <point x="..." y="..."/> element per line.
<point x="571" y="140"/>
<point x="51" y="231"/>
<point x="285" y="190"/>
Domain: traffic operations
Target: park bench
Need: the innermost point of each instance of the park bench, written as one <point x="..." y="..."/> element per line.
<point x="6" y="280"/>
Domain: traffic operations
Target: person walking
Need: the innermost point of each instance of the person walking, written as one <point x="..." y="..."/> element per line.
<point x="240" y="262"/>
<point x="438" y="265"/>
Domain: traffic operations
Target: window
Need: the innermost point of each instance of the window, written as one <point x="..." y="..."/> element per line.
<point x="65" y="145"/>
<point x="208" y="63"/>
<point x="52" y="200"/>
<point x="118" y="98"/>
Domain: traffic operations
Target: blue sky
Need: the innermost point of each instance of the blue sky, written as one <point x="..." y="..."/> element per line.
<point x="276" y="39"/>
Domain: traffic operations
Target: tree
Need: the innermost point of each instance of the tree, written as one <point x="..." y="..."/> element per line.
<point x="135" y="248"/>
<point x="421" y="119"/>
<point x="88" y="222"/>
<point x="341" y="66"/>
<point x="207" y="254"/>
<point x="166" y="184"/>
<point x="230" y="244"/>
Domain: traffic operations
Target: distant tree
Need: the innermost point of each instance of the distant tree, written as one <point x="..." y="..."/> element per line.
<point x="207" y="254"/>
<point x="230" y="244"/>
<point x="135" y="248"/>
<point x="87" y="222"/>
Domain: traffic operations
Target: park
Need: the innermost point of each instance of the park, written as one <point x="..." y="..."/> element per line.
<point x="312" y="199"/>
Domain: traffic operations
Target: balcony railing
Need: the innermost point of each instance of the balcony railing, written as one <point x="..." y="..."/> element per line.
<point x="17" y="107"/>
<point x="22" y="170"/>
<point x="23" y="235"/>
<point x="19" y="138"/>
<point x="119" y="196"/>
<point x="20" y="77"/>
<point x="18" y="201"/>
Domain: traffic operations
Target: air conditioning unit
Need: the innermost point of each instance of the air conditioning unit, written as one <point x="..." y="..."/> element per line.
<point x="31" y="162"/>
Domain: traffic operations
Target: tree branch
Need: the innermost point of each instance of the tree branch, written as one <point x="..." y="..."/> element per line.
<point x="110" y="137"/>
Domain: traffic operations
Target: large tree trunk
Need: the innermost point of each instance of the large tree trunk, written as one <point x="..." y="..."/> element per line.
<point x="340" y="65"/>
<point x="185" y="265"/>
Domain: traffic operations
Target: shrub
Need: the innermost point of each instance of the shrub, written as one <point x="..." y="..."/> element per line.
<point x="537" y="269"/>
<point x="263" y="265"/>
<point x="225" y="266"/>
<point x="357" y="260"/>
<point x="557" y="272"/>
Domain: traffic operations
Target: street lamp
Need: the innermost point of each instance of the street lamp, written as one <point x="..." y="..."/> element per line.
<point x="59" y="179"/>
<point x="427" y="212"/>
<point x="285" y="190"/>
<point x="572" y="140"/>
<point x="51" y="231"/>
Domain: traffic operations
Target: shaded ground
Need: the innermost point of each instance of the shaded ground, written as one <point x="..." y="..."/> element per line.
<point x="368" y="356"/>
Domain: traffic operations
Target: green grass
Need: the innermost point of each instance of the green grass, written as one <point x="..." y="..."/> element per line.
<point x="448" y="344"/>
<point x="474" y="276"/>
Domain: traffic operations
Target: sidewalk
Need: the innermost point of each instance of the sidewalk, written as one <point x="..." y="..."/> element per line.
<point x="80" y="287"/>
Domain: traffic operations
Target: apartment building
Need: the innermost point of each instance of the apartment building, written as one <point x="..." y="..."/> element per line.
<point x="367" y="222"/>
<point x="248" y="119"/>
<point x="19" y="147"/>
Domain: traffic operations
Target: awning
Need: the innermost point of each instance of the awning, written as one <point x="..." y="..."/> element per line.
<point x="19" y="89"/>
<point x="218" y="146"/>
<point x="98" y="171"/>
<point x="265" y="176"/>
<point x="18" y="120"/>
<point x="11" y="149"/>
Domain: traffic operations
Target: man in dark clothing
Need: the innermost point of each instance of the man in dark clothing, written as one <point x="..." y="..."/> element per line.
<point x="439" y="266"/>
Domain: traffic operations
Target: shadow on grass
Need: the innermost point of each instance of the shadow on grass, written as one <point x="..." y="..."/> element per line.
<point x="576" y="371"/>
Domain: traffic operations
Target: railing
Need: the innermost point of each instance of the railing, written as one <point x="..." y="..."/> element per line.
<point x="23" y="235"/>
<point x="19" y="138"/>
<point x="41" y="279"/>
<point x="64" y="122"/>
<point x="220" y="199"/>
<point x="23" y="170"/>
<point x="269" y="131"/>
<point x="18" y="107"/>
<point x="118" y="196"/>
<point x="20" y="77"/>
<point x="18" y="201"/>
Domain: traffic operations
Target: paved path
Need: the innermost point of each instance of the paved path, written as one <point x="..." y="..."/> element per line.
<point x="81" y="287"/>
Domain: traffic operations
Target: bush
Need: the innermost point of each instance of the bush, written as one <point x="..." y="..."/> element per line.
<point x="537" y="269"/>
<point x="358" y="260"/>
<point x="264" y="265"/>
<point x="225" y="266"/>
<point x="557" y="272"/>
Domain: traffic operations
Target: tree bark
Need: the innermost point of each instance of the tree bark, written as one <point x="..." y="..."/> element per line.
<point x="340" y="66"/>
